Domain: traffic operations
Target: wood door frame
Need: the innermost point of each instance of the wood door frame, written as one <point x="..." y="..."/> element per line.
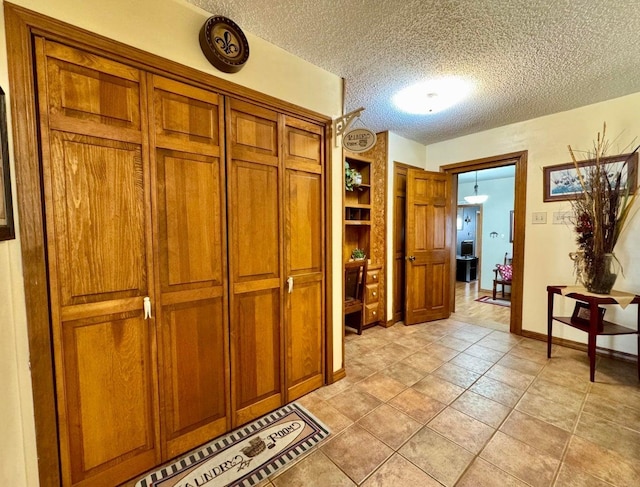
<point x="21" y="26"/>
<point x="519" y="160"/>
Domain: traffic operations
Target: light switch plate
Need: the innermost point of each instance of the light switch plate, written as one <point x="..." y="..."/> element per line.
<point x="562" y="217"/>
<point x="539" y="217"/>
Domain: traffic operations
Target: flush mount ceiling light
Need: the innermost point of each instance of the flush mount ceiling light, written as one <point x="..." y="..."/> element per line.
<point x="475" y="198"/>
<point x="432" y="96"/>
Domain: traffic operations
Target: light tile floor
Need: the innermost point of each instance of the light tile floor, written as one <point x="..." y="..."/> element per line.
<point x="456" y="403"/>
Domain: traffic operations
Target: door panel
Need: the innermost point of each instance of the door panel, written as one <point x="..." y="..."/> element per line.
<point x="190" y="217"/>
<point x="304" y="338"/>
<point x="428" y="246"/>
<point x="107" y="375"/>
<point x="257" y="371"/>
<point x="89" y="94"/>
<point x="99" y="218"/>
<point x="255" y="249"/>
<point x="195" y="388"/>
<point x="186" y="118"/>
<point x="190" y="224"/>
<point x="254" y="198"/>
<point x="304" y="256"/>
<point x="303" y="217"/>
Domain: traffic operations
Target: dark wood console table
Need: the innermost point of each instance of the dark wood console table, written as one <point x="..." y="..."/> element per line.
<point x="607" y="328"/>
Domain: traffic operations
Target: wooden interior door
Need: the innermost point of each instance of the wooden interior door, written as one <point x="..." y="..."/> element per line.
<point x="303" y="153"/>
<point x="255" y="250"/>
<point x="190" y="226"/>
<point x="96" y="185"/>
<point x="428" y="246"/>
<point x="399" y="222"/>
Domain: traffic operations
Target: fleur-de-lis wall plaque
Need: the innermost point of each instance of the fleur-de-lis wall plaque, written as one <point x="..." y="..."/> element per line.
<point x="224" y="44"/>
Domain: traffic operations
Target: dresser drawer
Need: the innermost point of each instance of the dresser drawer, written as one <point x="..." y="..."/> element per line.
<point x="371" y="294"/>
<point x="371" y="314"/>
<point x="373" y="276"/>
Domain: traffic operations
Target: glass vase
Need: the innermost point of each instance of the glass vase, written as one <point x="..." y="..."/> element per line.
<point x="597" y="273"/>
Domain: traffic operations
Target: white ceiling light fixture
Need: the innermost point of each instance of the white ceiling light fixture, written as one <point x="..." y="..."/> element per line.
<point x="432" y="96"/>
<point x="475" y="198"/>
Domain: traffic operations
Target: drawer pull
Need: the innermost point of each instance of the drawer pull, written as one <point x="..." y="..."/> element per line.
<point x="374" y="277"/>
<point x="374" y="313"/>
<point x="374" y="294"/>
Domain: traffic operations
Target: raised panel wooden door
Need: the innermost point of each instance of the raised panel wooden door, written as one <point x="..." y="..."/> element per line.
<point x="428" y="246"/>
<point x="98" y="241"/>
<point x="255" y="260"/>
<point x="303" y="256"/>
<point x="399" y="221"/>
<point x="188" y="187"/>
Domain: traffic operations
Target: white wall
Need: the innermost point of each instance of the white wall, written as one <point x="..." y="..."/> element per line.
<point x="168" y="28"/>
<point x="547" y="246"/>
<point x="407" y="152"/>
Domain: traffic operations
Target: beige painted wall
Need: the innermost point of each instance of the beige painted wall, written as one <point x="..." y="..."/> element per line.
<point x="168" y="28"/>
<point x="408" y="152"/>
<point x="546" y="260"/>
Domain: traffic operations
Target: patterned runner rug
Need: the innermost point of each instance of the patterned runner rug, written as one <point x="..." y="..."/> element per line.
<point x="498" y="301"/>
<point x="247" y="455"/>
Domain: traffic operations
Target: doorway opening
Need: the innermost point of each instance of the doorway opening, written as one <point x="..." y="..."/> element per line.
<point x="513" y="234"/>
<point x="483" y="240"/>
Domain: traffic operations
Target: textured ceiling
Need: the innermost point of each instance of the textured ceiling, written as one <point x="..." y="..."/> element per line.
<point x="527" y="58"/>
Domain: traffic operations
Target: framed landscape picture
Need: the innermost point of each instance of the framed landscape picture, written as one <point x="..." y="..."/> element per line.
<point x="6" y="209"/>
<point x="561" y="181"/>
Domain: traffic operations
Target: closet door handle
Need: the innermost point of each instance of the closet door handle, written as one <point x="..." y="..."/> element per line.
<point x="290" y="284"/>
<point x="146" y="303"/>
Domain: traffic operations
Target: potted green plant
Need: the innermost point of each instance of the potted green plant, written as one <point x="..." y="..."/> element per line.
<point x="352" y="178"/>
<point x="358" y="254"/>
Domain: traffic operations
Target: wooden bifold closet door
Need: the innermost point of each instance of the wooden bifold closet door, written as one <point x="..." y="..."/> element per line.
<point x="188" y="202"/>
<point x="185" y="246"/>
<point x="275" y="197"/>
<point x="96" y="182"/>
<point x="135" y="211"/>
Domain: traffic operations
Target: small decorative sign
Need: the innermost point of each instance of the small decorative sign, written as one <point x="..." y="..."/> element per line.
<point x="224" y="44"/>
<point x="358" y="140"/>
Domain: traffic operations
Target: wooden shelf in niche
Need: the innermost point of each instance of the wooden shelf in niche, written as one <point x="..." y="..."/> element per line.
<point x="352" y="214"/>
<point x="358" y="197"/>
<point x="357" y="208"/>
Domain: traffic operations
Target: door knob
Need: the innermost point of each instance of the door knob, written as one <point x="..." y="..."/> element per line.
<point x="411" y="258"/>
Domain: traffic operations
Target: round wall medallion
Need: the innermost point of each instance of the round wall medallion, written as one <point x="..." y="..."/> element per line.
<point x="224" y="44"/>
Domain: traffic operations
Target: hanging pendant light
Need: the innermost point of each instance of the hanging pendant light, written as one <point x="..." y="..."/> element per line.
<point x="475" y="198"/>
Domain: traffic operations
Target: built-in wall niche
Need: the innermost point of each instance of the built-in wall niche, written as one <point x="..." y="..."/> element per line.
<point x="466" y="227"/>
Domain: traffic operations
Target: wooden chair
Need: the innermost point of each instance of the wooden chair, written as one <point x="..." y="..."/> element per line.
<point x="355" y="276"/>
<point x="502" y="275"/>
